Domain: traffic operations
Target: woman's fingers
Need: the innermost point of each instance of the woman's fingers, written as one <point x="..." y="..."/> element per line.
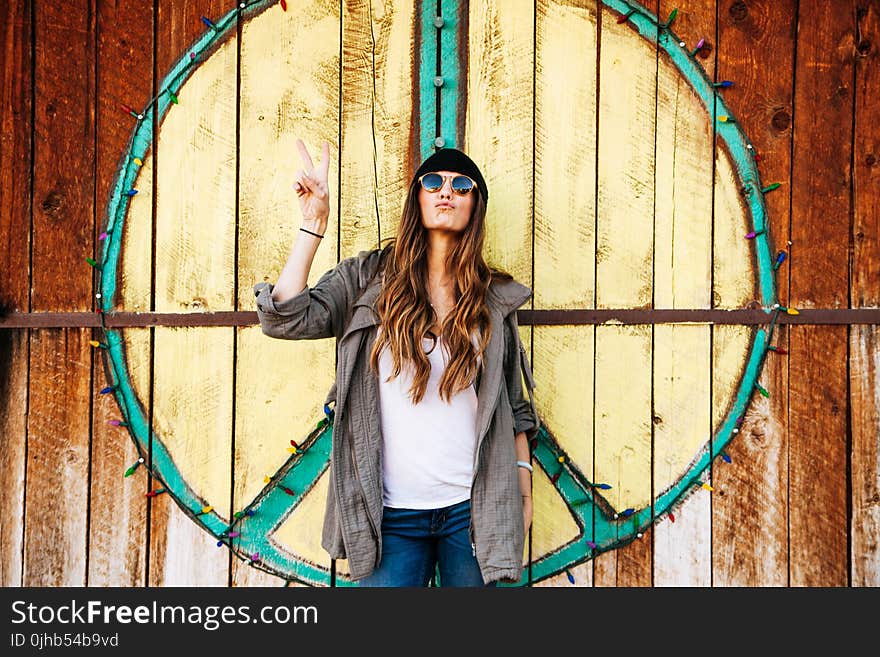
<point x="325" y="160"/>
<point x="304" y="154"/>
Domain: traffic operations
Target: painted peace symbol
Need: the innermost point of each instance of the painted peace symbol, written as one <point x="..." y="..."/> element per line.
<point x="600" y="520"/>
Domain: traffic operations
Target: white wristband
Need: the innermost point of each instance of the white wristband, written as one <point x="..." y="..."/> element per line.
<point x="524" y="464"/>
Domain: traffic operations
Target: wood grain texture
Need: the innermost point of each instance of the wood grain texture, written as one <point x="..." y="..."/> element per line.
<point x="499" y="127"/>
<point x="864" y="348"/>
<point x="750" y="502"/>
<point x="750" y="537"/>
<point x="280" y="391"/>
<point x="624" y="278"/>
<point x="623" y="441"/>
<point x="16" y="135"/>
<point x="192" y="415"/>
<point x="378" y="121"/>
<point x="195" y="190"/>
<point x="182" y="553"/>
<point x="683" y="279"/>
<point x="13" y="428"/>
<point x="117" y="505"/>
<point x="864" y="383"/>
<point x="118" y="511"/>
<point x="820" y="277"/>
<point x="566" y="43"/>
<point x="818" y="515"/>
<point x="55" y="540"/>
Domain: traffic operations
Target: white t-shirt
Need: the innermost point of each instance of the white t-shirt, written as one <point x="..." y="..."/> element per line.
<point x="428" y="448"/>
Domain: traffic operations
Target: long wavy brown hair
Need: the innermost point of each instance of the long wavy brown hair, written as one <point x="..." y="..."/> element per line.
<point x="405" y="310"/>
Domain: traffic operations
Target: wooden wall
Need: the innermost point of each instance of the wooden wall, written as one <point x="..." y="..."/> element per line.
<point x="576" y="163"/>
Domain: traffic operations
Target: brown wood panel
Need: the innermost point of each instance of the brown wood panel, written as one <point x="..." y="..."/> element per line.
<point x="13" y="429"/>
<point x="60" y="360"/>
<point x="118" y="507"/>
<point x="15" y="216"/>
<point x="865" y="292"/>
<point x="821" y="206"/>
<point x="755" y="50"/>
<point x="56" y="497"/>
<point x="15" y="156"/>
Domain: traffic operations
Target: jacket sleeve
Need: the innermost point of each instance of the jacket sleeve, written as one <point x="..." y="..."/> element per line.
<point x="516" y="366"/>
<point x="322" y="310"/>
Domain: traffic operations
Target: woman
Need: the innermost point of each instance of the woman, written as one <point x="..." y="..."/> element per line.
<point x="429" y="464"/>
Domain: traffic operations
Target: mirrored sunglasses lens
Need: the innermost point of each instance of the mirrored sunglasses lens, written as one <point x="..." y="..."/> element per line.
<point x="432" y="182"/>
<point x="462" y="184"/>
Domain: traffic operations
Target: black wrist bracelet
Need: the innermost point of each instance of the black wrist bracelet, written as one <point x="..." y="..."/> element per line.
<point x="306" y="230"/>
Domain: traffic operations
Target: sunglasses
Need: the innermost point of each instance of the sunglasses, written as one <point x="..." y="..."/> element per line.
<point x="433" y="182"/>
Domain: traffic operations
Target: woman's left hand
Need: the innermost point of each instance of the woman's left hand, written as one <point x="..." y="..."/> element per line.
<point x="527" y="514"/>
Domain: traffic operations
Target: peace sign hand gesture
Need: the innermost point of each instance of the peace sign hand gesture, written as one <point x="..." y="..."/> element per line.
<point x="312" y="189"/>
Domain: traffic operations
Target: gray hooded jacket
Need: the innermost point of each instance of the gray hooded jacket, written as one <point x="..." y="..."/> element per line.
<point x="341" y="305"/>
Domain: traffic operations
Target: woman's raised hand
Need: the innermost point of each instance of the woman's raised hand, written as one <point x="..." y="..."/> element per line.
<point x="312" y="189"/>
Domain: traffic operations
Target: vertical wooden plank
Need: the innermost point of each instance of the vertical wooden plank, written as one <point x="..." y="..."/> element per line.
<point x="15" y="217"/>
<point x="865" y="340"/>
<point x="749" y="534"/>
<point x="118" y="510"/>
<point x="195" y="164"/>
<point x="821" y="200"/>
<point x="682" y="279"/>
<point x="378" y="117"/>
<point x="499" y="126"/>
<point x="624" y="270"/>
<point x="60" y="359"/>
<point x="565" y="246"/>
<point x="13" y="428"/>
<point x="289" y="89"/>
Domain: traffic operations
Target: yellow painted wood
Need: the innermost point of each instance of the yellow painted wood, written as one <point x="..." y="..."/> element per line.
<point x="734" y="274"/>
<point x="309" y="513"/>
<point x="565" y="154"/>
<point x="280" y="391"/>
<point x="626" y="168"/>
<point x="548" y="504"/>
<point x="563" y="369"/>
<point x="682" y="366"/>
<point x="566" y="43"/>
<point x="623" y="414"/>
<point x="625" y="236"/>
<point x="682" y="353"/>
<point x="289" y="90"/>
<point x="730" y="349"/>
<point x="683" y="221"/>
<point x="195" y="192"/>
<point x="378" y="52"/>
<point x="137" y="247"/>
<point x="193" y="407"/>
<point x="499" y="126"/>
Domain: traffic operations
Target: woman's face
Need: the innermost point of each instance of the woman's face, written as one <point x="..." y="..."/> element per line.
<point x="444" y="210"/>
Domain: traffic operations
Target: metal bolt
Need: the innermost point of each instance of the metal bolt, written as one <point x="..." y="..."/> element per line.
<point x="438" y="81"/>
<point x="439" y="142"/>
<point x="438" y="22"/>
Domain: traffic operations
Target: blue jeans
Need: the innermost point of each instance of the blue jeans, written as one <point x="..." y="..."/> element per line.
<point x="415" y="542"/>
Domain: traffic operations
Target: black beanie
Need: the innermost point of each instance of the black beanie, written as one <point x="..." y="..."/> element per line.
<point x="451" y="159"/>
